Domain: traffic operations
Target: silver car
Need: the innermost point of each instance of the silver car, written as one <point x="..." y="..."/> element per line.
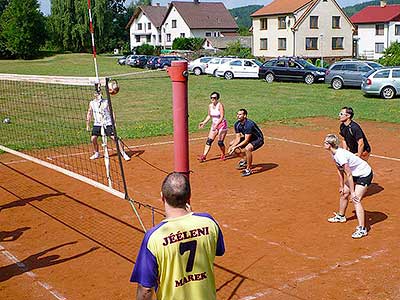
<point x="198" y="66"/>
<point x="349" y="73"/>
<point x="384" y="82"/>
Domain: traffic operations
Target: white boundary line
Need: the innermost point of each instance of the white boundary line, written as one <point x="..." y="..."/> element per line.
<point x="30" y="274"/>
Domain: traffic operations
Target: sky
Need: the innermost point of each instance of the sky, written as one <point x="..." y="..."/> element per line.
<point x="45" y="4"/>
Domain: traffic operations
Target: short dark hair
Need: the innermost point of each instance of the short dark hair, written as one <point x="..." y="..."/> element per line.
<point x="244" y="111"/>
<point x="176" y="189"/>
<point x="215" y="93"/>
<point x="349" y="111"/>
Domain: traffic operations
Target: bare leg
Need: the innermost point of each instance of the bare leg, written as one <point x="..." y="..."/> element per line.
<point x="249" y="155"/>
<point x="344" y="200"/>
<point x="211" y="135"/>
<point x="95" y="144"/>
<point x="221" y="137"/>
<point x="360" y="191"/>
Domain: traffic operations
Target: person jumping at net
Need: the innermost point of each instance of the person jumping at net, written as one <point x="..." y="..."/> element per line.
<point x="219" y="126"/>
<point x="355" y="175"/>
<point x="100" y="111"/>
<point x="248" y="138"/>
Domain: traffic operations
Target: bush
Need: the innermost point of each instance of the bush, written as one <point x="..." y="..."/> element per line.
<point x="236" y="49"/>
<point x="146" y="49"/>
<point x="193" y="44"/>
<point x="391" y="55"/>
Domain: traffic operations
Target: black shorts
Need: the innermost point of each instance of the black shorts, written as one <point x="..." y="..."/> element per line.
<point x="364" y="181"/>
<point x="257" y="144"/>
<point x="97" y="130"/>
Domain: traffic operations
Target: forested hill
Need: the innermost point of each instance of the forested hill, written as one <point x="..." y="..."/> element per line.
<point x="242" y="14"/>
<point x="351" y="10"/>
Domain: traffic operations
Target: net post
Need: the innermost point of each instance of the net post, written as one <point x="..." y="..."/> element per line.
<point x="179" y="77"/>
<point x="116" y="139"/>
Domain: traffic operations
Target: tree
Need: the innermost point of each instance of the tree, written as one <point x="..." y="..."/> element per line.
<point x="236" y="49"/>
<point x="3" y="5"/>
<point x="146" y="49"/>
<point x="22" y="28"/>
<point x="192" y="44"/>
<point x="391" y="55"/>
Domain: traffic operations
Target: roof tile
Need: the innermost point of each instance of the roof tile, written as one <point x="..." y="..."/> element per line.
<point x="376" y="14"/>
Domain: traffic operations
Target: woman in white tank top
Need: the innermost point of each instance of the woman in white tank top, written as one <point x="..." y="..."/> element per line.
<point x="219" y="126"/>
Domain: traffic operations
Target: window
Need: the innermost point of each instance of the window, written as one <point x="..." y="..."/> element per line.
<point x="208" y="33"/>
<point x="236" y="63"/>
<point x="263" y="24"/>
<point x="397" y="30"/>
<point x="281" y="23"/>
<point x="379" y="28"/>
<point x="336" y="68"/>
<point x="364" y="68"/>
<point x="379" y="47"/>
<point x="263" y="44"/>
<point x="148" y="38"/>
<point x="280" y="63"/>
<point x="216" y="34"/>
<point x="292" y="64"/>
<point x="247" y="63"/>
<point x="182" y="34"/>
<point x="148" y="25"/>
<point x="168" y="37"/>
<point x="137" y="38"/>
<point x="396" y="73"/>
<point x="313" y="22"/>
<point x="382" y="74"/>
<point x="173" y="23"/>
<point x="139" y="26"/>
<point x="335" y="22"/>
<point x="312" y="43"/>
<point x="159" y="37"/>
<point x="350" y="67"/>
<point x="282" y="44"/>
<point x="337" y="43"/>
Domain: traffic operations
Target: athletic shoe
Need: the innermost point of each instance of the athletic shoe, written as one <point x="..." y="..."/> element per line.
<point x="202" y="158"/>
<point x="96" y="155"/>
<point x="360" y="232"/>
<point x="242" y="165"/>
<point x="337" y="218"/>
<point x="222" y="157"/>
<point x="126" y="156"/>
<point x="246" y="172"/>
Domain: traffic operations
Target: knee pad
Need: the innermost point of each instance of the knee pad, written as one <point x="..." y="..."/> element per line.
<point x="221" y="144"/>
<point x="209" y="142"/>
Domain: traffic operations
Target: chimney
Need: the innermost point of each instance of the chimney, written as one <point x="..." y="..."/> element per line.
<point x="383" y="3"/>
<point x="196" y="1"/>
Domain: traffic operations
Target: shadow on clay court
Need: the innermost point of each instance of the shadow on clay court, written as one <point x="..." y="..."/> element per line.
<point x="22" y="202"/>
<point x="10" y="236"/>
<point x="259" y="168"/>
<point x="371" y="217"/>
<point x="373" y="189"/>
<point x="36" y="261"/>
<point x="131" y="153"/>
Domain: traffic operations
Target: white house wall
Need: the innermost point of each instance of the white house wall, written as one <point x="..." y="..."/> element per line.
<point x="325" y="11"/>
<point x="181" y="28"/>
<point x="367" y="39"/>
<point x="144" y="32"/>
<point x="391" y="33"/>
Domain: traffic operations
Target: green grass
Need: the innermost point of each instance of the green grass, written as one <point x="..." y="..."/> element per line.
<point x="144" y="105"/>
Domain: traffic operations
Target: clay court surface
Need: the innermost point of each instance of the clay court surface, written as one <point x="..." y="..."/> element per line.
<point x="63" y="239"/>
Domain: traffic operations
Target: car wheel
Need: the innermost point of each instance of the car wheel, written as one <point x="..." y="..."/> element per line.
<point x="309" y="79"/>
<point x="197" y="71"/>
<point x="337" y="83"/>
<point x="215" y="73"/>
<point x="388" y="92"/>
<point x="228" y="75"/>
<point x="269" y="77"/>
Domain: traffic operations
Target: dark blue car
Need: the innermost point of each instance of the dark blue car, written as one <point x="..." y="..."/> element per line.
<point x="291" y="69"/>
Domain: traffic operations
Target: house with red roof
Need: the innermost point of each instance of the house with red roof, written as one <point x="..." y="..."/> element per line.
<point x="145" y="25"/>
<point x="196" y="19"/>
<point x="377" y="27"/>
<point x="307" y="28"/>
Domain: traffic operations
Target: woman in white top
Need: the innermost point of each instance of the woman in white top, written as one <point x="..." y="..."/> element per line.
<point x="219" y="126"/>
<point x="355" y="175"/>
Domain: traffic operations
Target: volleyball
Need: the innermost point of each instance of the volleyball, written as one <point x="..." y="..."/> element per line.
<point x="113" y="87"/>
<point x="6" y="121"/>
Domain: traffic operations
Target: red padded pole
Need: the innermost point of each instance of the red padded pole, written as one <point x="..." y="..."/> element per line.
<point x="179" y="77"/>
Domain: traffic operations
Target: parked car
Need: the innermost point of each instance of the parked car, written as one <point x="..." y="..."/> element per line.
<point x="291" y="68"/>
<point x="151" y="62"/>
<point x="130" y="60"/>
<point x="384" y="82"/>
<point x="121" y="61"/>
<point x="349" y="72"/>
<point x="213" y="64"/>
<point x="140" y="61"/>
<point x="239" y="68"/>
<point x="198" y="66"/>
<point x="165" y="61"/>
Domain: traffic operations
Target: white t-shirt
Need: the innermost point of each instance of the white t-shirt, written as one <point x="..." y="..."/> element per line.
<point x="358" y="167"/>
<point x="101" y="112"/>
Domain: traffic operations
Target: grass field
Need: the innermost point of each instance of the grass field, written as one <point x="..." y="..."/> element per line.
<point x="143" y="105"/>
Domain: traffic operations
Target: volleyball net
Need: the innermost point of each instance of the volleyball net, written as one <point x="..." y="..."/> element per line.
<point x="43" y="120"/>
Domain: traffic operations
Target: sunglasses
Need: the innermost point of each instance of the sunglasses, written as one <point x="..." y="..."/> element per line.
<point x="343" y="114"/>
<point x="213" y="97"/>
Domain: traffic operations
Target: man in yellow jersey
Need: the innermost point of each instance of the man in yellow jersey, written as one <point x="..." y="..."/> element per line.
<point x="176" y="257"/>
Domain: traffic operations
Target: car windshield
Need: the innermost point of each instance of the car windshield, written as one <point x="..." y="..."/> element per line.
<point x="305" y="64"/>
<point x="368" y="73"/>
<point x="257" y="62"/>
<point x="375" y="65"/>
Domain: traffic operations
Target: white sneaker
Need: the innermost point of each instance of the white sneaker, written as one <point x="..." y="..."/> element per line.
<point x="337" y="218"/>
<point x="96" y="155"/>
<point x="360" y="232"/>
<point x="126" y="156"/>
